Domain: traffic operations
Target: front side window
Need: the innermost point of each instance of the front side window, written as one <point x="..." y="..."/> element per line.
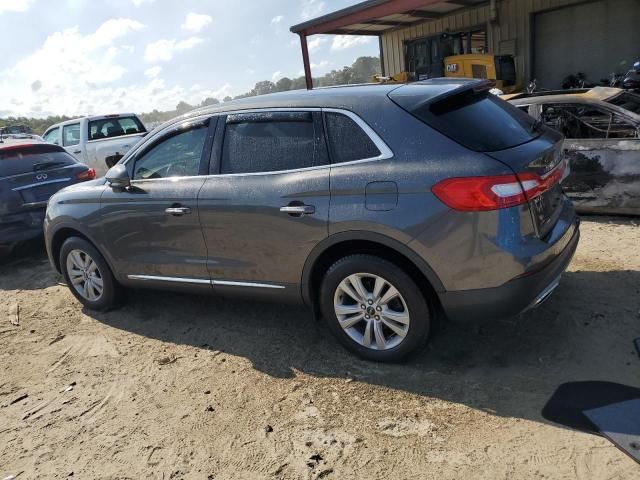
<point x="52" y="136"/>
<point x="347" y="140"/>
<point x="176" y="156"/>
<point x="71" y="135"/>
<point x="580" y="121"/>
<point x="270" y="142"/>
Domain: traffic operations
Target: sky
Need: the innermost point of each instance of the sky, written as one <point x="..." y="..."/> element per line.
<point x="85" y="57"/>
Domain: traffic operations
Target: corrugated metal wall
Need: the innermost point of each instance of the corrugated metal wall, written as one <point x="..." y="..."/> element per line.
<point x="510" y="35"/>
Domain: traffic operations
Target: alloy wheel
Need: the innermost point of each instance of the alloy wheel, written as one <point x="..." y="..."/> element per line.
<point x="84" y="275"/>
<point x="371" y="311"/>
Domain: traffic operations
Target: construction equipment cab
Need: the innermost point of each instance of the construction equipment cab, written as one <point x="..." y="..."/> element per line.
<point x="500" y="68"/>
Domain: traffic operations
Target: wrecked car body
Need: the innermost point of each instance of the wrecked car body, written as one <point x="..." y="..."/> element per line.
<point x="602" y="144"/>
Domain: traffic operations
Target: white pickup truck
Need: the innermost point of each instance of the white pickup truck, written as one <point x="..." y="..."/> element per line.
<point x="97" y="141"/>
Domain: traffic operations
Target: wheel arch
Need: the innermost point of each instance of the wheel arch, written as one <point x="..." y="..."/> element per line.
<point x="61" y="235"/>
<point x="352" y="242"/>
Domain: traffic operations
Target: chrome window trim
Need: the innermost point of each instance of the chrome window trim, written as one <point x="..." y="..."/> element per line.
<point x="383" y="148"/>
<point x="202" y="281"/>
<point x="385" y="152"/>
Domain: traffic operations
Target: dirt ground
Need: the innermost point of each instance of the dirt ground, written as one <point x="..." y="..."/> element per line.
<point x="177" y="386"/>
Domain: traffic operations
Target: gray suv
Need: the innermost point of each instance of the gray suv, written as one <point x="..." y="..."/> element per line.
<point x="379" y="206"/>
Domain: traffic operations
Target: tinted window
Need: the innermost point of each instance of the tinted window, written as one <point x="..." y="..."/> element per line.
<point x="347" y="140"/>
<point x="114" y="127"/>
<point x="478" y="120"/>
<point x="177" y="156"/>
<point x="270" y="142"/>
<point x="52" y="136"/>
<point x="71" y="135"/>
<point x="33" y="158"/>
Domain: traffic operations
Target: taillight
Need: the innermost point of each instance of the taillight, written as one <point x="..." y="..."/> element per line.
<point x="88" y="174"/>
<point x="494" y="192"/>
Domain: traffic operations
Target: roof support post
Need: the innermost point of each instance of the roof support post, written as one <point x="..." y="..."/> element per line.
<point x="305" y="60"/>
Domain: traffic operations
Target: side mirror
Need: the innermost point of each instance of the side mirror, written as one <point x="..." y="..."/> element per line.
<point x="118" y="177"/>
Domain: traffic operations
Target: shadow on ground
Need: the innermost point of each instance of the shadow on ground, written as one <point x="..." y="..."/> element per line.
<point x="507" y="367"/>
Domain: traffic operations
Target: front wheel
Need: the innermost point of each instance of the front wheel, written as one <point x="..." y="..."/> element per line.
<point x="374" y="308"/>
<point x="88" y="276"/>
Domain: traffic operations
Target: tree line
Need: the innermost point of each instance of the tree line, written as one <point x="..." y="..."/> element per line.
<point x="361" y="71"/>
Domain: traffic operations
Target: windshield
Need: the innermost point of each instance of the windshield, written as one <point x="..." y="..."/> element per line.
<point x="628" y="101"/>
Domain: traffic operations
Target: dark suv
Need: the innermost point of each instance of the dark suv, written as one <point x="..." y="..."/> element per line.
<point x="30" y="172"/>
<point x="379" y="205"/>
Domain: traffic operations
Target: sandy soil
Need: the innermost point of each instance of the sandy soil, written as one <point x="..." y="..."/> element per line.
<point x="176" y="386"/>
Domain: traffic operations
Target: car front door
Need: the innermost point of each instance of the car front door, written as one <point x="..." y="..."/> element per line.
<point x="266" y="203"/>
<point x="602" y="147"/>
<point x="152" y="229"/>
<point x="71" y="140"/>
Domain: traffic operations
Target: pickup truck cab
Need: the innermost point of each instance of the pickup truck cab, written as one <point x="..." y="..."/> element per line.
<point x="98" y="141"/>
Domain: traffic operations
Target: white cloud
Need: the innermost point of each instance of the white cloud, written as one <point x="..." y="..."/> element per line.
<point x="163" y="50"/>
<point x="342" y="42"/>
<point x="153" y="71"/>
<point x="276" y="75"/>
<point x="45" y="85"/>
<point x="312" y="8"/>
<point x="137" y="3"/>
<point x="277" y="19"/>
<point x="315" y="43"/>
<point x="196" y="22"/>
<point x="15" y="5"/>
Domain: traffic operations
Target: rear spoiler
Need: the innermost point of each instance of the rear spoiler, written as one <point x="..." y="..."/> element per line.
<point x="429" y="93"/>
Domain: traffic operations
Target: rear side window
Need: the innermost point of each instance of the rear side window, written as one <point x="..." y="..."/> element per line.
<point x="478" y="120"/>
<point x="33" y="158"/>
<point x="347" y="140"/>
<point x="71" y="135"/>
<point x="270" y="142"/>
<point x="114" y="127"/>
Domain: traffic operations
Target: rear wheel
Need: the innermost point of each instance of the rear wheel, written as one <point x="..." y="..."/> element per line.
<point x="87" y="275"/>
<point x="374" y="308"/>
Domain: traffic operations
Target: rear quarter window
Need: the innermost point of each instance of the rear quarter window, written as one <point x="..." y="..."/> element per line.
<point x="347" y="141"/>
<point x="17" y="161"/>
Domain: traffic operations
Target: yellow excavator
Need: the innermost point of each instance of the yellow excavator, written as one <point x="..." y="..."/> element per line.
<point x="500" y="68"/>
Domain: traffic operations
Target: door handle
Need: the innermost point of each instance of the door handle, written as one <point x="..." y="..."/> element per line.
<point x="77" y="151"/>
<point x="298" y="210"/>
<point x="178" y="211"/>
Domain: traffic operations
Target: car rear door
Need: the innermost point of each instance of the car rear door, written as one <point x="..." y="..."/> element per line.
<point x="152" y="229"/>
<point x="266" y="203"/>
<point x="602" y="148"/>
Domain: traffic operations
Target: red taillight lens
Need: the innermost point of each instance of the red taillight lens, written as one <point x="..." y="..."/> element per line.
<point x="89" y="174"/>
<point x="480" y="193"/>
<point x="476" y="194"/>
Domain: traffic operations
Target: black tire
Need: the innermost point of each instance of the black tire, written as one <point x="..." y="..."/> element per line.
<point x="111" y="294"/>
<point x="415" y="300"/>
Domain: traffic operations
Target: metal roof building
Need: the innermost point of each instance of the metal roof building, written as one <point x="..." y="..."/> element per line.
<point x="549" y="39"/>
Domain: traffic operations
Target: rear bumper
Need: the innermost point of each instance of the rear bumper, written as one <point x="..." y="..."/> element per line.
<point x="515" y="296"/>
